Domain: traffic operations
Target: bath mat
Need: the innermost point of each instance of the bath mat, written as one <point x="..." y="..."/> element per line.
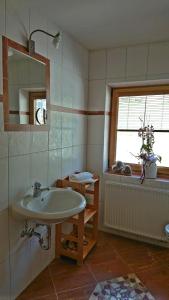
<point x="122" y="288"/>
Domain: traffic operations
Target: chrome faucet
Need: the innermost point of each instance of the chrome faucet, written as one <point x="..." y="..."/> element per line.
<point x="37" y="190"/>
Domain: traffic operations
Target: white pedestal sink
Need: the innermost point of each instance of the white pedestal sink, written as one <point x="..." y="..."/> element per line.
<point x="53" y="206"/>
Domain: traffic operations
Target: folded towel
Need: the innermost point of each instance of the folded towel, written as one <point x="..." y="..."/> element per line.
<point x="90" y="180"/>
<point x="83" y="176"/>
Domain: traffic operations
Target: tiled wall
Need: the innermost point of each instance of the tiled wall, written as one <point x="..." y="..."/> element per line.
<point x="29" y="156"/>
<point x="140" y="64"/>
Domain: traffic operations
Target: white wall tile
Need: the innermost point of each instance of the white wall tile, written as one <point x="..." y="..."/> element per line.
<point x="84" y="63"/>
<point x="96" y="130"/>
<point x="39" y="21"/>
<point x="5" y="280"/>
<point x="75" y="57"/>
<point x="137" y="60"/>
<point x="19" y="143"/>
<point x="55" y="133"/>
<point x="96" y="95"/>
<point x="79" y="158"/>
<point x="69" y="52"/>
<point x="39" y="168"/>
<point x="108" y="98"/>
<point x="55" y="166"/>
<point x="55" y="119"/>
<point x="67" y="132"/>
<point x="4" y="183"/>
<point x="116" y="62"/>
<point x="19" y="176"/>
<point x="97" y="64"/>
<point x="55" y="138"/>
<point x="4" y="237"/>
<point x="40" y="258"/>
<point x="81" y="61"/>
<point x="56" y="83"/>
<point x="68" y="87"/>
<point x="17" y="21"/>
<point x="106" y="142"/>
<point x="20" y="268"/>
<point x="158" y="62"/>
<point x="2" y="17"/>
<point x="79" y="129"/>
<point x="67" y="161"/>
<point x="95" y="158"/>
<point x="3" y="144"/>
<point x="38" y="141"/>
<point x="80" y="91"/>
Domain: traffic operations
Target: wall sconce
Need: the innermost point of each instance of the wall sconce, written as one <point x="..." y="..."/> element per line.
<point x="31" y="43"/>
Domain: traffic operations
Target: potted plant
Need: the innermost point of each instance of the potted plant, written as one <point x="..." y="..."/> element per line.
<point x="149" y="159"/>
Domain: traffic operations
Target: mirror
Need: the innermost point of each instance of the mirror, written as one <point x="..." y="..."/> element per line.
<point x="26" y="87"/>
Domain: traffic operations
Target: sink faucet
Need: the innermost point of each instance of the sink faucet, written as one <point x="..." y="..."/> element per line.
<point x="37" y="189"/>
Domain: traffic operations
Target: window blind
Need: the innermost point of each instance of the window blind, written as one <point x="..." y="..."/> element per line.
<point x="151" y="109"/>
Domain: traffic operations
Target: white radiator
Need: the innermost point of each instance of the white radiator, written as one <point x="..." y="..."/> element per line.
<point x="136" y="209"/>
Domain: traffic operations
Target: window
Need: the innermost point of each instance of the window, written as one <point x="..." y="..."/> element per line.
<point x="37" y="108"/>
<point x="129" y="107"/>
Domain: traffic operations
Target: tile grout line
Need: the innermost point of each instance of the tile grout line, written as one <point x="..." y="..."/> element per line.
<point x="123" y="260"/>
<point x="51" y="277"/>
<point x="90" y="270"/>
<point x="74" y="289"/>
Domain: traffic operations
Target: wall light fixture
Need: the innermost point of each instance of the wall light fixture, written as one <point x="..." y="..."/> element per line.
<point x="31" y="43"/>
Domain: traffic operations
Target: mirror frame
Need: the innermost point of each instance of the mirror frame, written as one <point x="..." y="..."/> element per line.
<point x="6" y="43"/>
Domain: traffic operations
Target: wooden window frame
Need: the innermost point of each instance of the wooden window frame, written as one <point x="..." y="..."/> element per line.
<point x="32" y="97"/>
<point x="163" y="172"/>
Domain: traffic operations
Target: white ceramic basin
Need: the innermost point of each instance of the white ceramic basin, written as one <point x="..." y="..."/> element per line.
<point x="53" y="206"/>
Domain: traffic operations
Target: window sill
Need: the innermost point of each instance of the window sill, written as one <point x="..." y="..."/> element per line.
<point x="159" y="182"/>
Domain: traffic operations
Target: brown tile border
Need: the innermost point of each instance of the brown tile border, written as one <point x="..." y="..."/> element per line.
<point x="25" y="127"/>
<point x="98" y="113"/>
<point x="17" y="112"/>
<point x="59" y="108"/>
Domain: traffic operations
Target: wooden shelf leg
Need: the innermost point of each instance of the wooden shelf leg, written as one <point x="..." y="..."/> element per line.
<point x="80" y="230"/>
<point x="58" y="230"/>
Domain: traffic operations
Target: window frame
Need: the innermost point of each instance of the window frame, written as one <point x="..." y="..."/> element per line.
<point x="131" y="91"/>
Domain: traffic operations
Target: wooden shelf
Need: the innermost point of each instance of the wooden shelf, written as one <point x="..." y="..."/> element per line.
<point x="88" y="214"/>
<point x="81" y="240"/>
<point x="88" y="247"/>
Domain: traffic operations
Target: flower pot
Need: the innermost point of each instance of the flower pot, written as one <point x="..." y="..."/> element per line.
<point x="150" y="170"/>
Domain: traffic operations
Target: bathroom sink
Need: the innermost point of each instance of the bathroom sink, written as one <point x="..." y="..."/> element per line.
<point x="53" y="206"/>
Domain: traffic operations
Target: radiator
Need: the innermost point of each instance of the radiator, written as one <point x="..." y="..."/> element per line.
<point x="136" y="209"/>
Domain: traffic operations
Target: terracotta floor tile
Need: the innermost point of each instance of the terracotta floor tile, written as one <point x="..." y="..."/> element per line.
<point x="157" y="271"/>
<point x="112" y="257"/>
<point x="82" y="293"/>
<point x="138" y="258"/>
<point x="41" y="286"/>
<point x="68" y="276"/>
<point x="158" y="288"/>
<point x="109" y="269"/>
<point x="101" y="253"/>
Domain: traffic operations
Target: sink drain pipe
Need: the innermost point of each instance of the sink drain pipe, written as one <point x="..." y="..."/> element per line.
<point x="45" y="243"/>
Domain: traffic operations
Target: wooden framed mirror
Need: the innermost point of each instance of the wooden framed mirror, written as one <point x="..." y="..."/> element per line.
<point x="26" y="83"/>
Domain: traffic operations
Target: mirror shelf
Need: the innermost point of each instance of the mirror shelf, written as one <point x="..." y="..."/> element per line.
<point x="26" y="84"/>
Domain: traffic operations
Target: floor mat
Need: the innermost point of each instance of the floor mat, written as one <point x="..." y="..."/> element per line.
<point x="122" y="288"/>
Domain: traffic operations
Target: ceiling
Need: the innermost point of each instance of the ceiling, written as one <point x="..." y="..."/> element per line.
<point x="109" y="23"/>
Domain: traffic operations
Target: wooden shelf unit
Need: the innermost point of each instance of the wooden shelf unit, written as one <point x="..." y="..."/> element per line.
<point x="82" y="237"/>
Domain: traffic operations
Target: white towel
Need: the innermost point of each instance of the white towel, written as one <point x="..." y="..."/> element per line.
<point x="81" y="177"/>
